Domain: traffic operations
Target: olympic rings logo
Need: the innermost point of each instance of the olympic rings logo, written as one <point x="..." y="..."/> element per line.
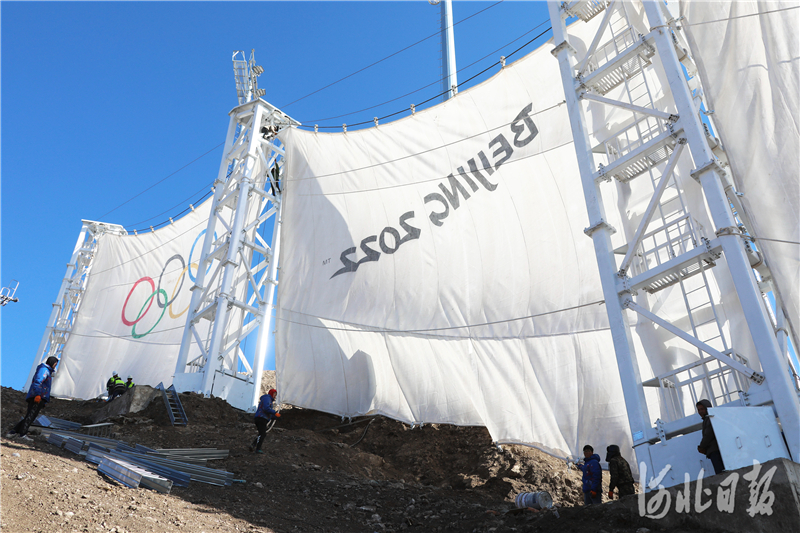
<point x="159" y="296"/>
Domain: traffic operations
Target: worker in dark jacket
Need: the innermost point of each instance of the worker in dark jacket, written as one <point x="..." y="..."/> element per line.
<point x="620" y="471"/>
<point x="264" y="414"/>
<point x="129" y="384"/>
<point x="592" y="477"/>
<point x="708" y="444"/>
<point x="38" y="396"/>
<point x="115" y="386"/>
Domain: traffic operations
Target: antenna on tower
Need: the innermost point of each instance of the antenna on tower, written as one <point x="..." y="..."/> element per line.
<point x="246" y="74"/>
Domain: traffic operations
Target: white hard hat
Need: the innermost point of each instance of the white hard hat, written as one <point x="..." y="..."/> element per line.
<point x="130" y="377"/>
<point x="114" y="373"/>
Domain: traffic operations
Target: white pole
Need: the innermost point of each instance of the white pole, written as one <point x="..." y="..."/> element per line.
<point x="450" y="78"/>
<point x="600" y="232"/>
<point x="232" y="260"/>
<point x="265" y="308"/>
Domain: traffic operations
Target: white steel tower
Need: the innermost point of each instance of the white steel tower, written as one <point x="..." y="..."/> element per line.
<point x="670" y="248"/>
<point x="70" y="295"/>
<point x="238" y="269"/>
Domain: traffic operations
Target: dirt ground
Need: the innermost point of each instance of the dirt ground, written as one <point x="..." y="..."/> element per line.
<point x="319" y="474"/>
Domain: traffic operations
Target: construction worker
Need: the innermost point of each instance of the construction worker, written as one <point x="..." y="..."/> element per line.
<point x="592" y="477"/>
<point x="708" y="444"/>
<point x="129" y="384"/>
<point x="264" y="414"/>
<point x="116" y="387"/>
<point x="110" y="383"/>
<point x="620" y="471"/>
<point x="38" y="396"/>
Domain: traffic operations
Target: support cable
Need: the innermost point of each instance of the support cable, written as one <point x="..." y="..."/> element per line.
<point x="415" y="154"/>
<point x="373" y="329"/>
<point x="740" y="16"/>
<point x="161" y="181"/>
<point x="365" y="190"/>
<point x="436" y="178"/>
<point x="363" y="434"/>
<point x="426" y="86"/>
<point x="372" y="121"/>
<point x="387" y="57"/>
<point x="182" y="202"/>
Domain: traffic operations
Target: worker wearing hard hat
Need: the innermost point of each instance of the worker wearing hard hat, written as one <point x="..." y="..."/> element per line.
<point x="115" y="386"/>
<point x="129" y="384"/>
<point x="264" y="414"/>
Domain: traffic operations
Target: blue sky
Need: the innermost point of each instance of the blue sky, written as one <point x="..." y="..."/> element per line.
<point x="102" y="100"/>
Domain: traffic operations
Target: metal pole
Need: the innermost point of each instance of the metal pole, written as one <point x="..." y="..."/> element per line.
<point x="450" y="78"/>
<point x="234" y="245"/>
<point x="265" y="308"/>
<point x="708" y="174"/>
<point x="600" y="232"/>
<point x="198" y="287"/>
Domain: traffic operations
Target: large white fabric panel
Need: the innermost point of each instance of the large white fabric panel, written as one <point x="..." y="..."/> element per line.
<point x="435" y="270"/>
<point x="748" y="56"/>
<point x="134" y="309"/>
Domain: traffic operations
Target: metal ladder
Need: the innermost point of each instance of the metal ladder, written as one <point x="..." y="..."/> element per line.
<point x="173" y="404"/>
<point x="664" y="246"/>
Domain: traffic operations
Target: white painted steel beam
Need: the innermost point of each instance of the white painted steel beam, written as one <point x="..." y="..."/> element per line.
<point x="707" y="173"/>
<point x="633" y="392"/>
<point x="70" y="294"/>
<point x="590" y="53"/>
<point x="241" y="205"/>
<point x="701" y="253"/>
<point x="630" y="107"/>
<point x="651" y="207"/>
<point x="716" y="354"/>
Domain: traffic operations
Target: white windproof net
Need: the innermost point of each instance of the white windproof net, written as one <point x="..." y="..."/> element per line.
<point x="436" y="270"/>
<point x="133" y="311"/>
<point x="748" y="57"/>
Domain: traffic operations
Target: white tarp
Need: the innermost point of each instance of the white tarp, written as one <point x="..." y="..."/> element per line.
<point x="134" y="309"/>
<point x="750" y="69"/>
<point x="435" y="270"/>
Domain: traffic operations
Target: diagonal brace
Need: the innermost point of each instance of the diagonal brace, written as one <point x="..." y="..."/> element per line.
<point x="721" y="357"/>
<point x="651" y="208"/>
<point x="630" y="107"/>
<point x="600" y="30"/>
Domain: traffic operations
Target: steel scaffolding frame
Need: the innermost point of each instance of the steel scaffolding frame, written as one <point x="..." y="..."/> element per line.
<point x="70" y="295"/>
<point x="676" y="252"/>
<point x="238" y="269"/>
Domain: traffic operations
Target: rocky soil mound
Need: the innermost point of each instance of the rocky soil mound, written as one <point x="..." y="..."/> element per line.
<point x="319" y="474"/>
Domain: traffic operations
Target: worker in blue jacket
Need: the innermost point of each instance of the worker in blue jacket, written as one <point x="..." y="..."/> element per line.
<point x="38" y="396"/>
<point x="592" y="477"/>
<point x="264" y="414"/>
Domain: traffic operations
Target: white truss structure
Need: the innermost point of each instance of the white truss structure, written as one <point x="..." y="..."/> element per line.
<point x="669" y="247"/>
<point x="70" y="295"/>
<point x="238" y="271"/>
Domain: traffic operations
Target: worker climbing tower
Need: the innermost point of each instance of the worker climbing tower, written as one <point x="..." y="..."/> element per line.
<point x="238" y="268"/>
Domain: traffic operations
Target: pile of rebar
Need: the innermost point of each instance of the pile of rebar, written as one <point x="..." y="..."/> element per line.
<point x="135" y="466"/>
